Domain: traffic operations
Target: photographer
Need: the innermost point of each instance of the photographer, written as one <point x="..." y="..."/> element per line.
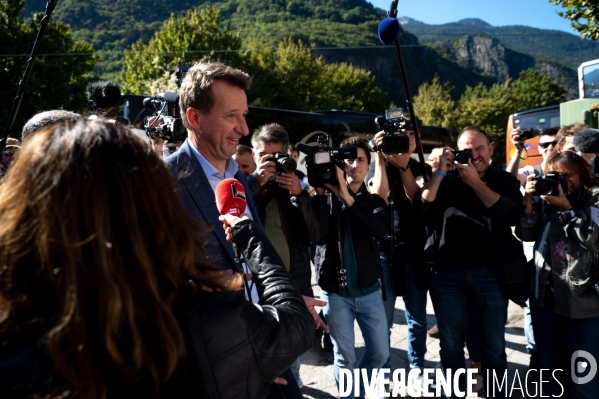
<point x="283" y="206"/>
<point x="472" y="210"/>
<point x="348" y="264"/>
<point x="547" y="144"/>
<point x="564" y="301"/>
<point x="406" y="277"/>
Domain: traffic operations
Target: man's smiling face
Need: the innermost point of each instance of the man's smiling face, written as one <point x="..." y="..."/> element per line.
<point x="224" y="125"/>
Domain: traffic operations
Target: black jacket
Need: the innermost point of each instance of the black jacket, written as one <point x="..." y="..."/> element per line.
<point x="368" y="221"/>
<point x="299" y="225"/>
<point x="234" y="349"/>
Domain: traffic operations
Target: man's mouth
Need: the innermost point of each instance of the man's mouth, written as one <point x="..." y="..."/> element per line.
<point x="477" y="161"/>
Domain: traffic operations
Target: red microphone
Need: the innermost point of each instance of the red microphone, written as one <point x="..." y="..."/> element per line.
<point x="230" y="197"/>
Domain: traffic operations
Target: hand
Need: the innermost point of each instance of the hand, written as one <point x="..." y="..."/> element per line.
<point x="398" y="160"/>
<point x="339" y="189"/>
<point x="230" y="220"/>
<point x="446" y="160"/>
<point x="559" y="201"/>
<point x="265" y="169"/>
<point x="529" y="189"/>
<point x="515" y="138"/>
<point x="290" y="181"/>
<point x="468" y="173"/>
<point x="280" y="381"/>
<point x="310" y="304"/>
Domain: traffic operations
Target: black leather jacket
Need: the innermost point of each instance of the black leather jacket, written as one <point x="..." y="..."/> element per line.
<point x="234" y="349"/>
<point x="368" y="221"/>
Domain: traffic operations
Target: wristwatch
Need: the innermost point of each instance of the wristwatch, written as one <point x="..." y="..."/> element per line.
<point x="402" y="169"/>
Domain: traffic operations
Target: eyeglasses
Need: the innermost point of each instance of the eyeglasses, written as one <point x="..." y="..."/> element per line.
<point x="547" y="144"/>
<point x="7" y="153"/>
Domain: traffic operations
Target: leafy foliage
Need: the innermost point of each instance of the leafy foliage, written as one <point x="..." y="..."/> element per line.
<point x="486" y="107"/>
<point x="578" y="10"/>
<point x="58" y="79"/>
<point x="181" y="41"/>
<point x="289" y="77"/>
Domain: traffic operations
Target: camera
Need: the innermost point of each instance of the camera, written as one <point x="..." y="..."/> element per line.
<point x="321" y="161"/>
<point x="462" y="156"/>
<point x="530" y="133"/>
<point x="165" y="123"/>
<point x="283" y="163"/>
<point x="393" y="123"/>
<point x="548" y="184"/>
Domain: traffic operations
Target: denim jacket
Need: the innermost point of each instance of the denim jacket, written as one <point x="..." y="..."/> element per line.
<point x="572" y="251"/>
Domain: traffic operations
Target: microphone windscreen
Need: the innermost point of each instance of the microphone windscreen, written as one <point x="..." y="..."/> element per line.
<point x="103" y="95"/>
<point x="230" y="197"/>
<point x="171" y="97"/>
<point x="388" y="30"/>
<point x="587" y="141"/>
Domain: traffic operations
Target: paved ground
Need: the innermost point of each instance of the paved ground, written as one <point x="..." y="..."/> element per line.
<point x="317" y="370"/>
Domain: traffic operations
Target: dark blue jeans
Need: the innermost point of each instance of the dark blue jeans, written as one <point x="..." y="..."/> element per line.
<point x="458" y="293"/>
<point x="557" y="338"/>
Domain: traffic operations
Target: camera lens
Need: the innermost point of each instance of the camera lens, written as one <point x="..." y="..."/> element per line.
<point x="288" y="165"/>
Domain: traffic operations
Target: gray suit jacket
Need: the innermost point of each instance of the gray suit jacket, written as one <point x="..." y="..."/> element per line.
<point x="197" y="196"/>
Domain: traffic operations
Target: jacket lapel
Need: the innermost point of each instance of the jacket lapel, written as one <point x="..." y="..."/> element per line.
<point x="195" y="180"/>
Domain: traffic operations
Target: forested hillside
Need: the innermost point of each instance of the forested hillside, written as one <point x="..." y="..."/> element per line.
<point x="340" y="31"/>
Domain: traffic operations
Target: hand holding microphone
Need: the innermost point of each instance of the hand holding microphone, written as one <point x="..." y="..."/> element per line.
<point x="231" y="203"/>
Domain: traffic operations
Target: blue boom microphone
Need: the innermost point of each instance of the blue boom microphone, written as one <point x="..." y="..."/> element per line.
<point x="388" y="30"/>
<point x="389" y="27"/>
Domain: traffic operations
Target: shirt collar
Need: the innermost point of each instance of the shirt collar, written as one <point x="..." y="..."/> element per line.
<point x="231" y="166"/>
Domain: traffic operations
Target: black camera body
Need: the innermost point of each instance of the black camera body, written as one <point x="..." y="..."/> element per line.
<point x="394" y="124"/>
<point x="462" y="156"/>
<point x="322" y="161"/>
<point x="530" y="133"/>
<point x="166" y="122"/>
<point x="549" y="184"/>
<point x="283" y="163"/>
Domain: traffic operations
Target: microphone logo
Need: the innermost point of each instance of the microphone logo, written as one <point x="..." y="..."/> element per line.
<point x="236" y="193"/>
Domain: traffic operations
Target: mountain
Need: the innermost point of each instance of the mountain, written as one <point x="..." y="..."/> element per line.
<point x="565" y="48"/>
<point x="464" y="53"/>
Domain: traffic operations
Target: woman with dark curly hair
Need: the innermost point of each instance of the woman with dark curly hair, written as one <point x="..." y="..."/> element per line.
<point x="564" y="301"/>
<point x="104" y="287"/>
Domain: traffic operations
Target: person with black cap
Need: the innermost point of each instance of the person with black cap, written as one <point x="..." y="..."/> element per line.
<point x="586" y="144"/>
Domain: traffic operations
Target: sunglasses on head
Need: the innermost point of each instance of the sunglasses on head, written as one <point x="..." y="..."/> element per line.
<point x="8" y="153"/>
<point x="547" y="144"/>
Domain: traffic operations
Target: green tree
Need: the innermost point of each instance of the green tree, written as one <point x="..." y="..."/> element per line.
<point x="579" y="11"/>
<point x="181" y="41"/>
<point x="434" y="105"/>
<point x="60" y="71"/>
<point x="292" y="77"/>
<point x="532" y="89"/>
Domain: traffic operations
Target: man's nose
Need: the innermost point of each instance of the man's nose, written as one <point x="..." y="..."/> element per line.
<point x="243" y="128"/>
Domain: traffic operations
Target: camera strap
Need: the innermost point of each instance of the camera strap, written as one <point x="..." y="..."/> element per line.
<point x="341" y="271"/>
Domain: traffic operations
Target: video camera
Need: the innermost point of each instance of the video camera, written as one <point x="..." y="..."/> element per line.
<point x="322" y="161"/>
<point x="165" y="123"/>
<point x="283" y="163"/>
<point x="549" y="184"/>
<point x="393" y="123"/>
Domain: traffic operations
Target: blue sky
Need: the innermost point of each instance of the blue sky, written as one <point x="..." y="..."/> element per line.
<point x="536" y="13"/>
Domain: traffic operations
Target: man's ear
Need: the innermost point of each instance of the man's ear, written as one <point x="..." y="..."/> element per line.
<point x="491" y="147"/>
<point x="193" y="118"/>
